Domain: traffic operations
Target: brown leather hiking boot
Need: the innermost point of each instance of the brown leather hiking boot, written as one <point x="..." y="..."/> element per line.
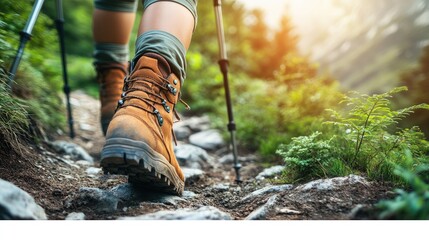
<point x="110" y="76"/>
<point x="139" y="140"/>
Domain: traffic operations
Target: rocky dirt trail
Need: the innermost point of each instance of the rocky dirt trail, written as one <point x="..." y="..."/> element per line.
<point x="63" y="180"/>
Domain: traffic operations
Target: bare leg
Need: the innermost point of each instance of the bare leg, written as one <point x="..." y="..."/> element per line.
<point x="169" y="17"/>
<point x="112" y="27"/>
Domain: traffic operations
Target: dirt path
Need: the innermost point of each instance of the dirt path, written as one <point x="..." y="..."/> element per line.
<point x="68" y="187"/>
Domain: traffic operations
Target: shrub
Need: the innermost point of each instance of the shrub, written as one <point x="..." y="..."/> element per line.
<point x="307" y="158"/>
<point x="364" y="141"/>
<point x="360" y="141"/>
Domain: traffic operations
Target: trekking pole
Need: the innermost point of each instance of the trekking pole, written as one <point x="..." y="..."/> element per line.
<point x="223" y="63"/>
<point x="59" y="23"/>
<point x="25" y="36"/>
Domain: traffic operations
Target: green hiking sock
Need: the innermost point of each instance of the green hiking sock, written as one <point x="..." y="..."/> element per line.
<point x="110" y="52"/>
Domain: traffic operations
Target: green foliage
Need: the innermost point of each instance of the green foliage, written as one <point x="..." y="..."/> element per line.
<point x="38" y="80"/>
<point x="77" y="26"/>
<point x="361" y="140"/>
<point x="269" y="113"/>
<point x="307" y="158"/>
<point x="13" y="116"/>
<point x="413" y="204"/>
<point x="82" y="74"/>
<point x="367" y="145"/>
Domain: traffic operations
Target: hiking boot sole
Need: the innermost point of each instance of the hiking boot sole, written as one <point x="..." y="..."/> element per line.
<point x="142" y="164"/>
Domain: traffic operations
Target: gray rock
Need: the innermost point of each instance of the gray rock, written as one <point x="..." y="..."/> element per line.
<point x="229" y="158"/>
<point x="332" y="183"/>
<point x="188" y="195"/>
<point x="192" y="174"/>
<point x="209" y="139"/>
<point x="92" y="171"/>
<point x="220" y="187"/>
<point x="266" y="190"/>
<point x="16" y="204"/>
<point x="262" y="212"/>
<point x="83" y="163"/>
<point x="76" y="216"/>
<point x="203" y="213"/>
<point x="270" y="172"/>
<point x="74" y="150"/>
<point x="289" y="211"/>
<point x="196" y="124"/>
<point x="100" y="200"/>
<point x="128" y="192"/>
<point x="192" y="156"/>
<point x="182" y="132"/>
<point x="66" y="176"/>
<point x="86" y="127"/>
<point x="163" y="198"/>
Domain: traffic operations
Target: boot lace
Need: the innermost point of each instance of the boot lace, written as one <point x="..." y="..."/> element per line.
<point x="152" y="99"/>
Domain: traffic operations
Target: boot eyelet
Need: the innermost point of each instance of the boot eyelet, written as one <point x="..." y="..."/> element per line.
<point x="172" y="89"/>
<point x="166" y="107"/>
<point x="123" y="94"/>
<point x="175" y="81"/>
<point x="121" y="102"/>
<point x="159" y="117"/>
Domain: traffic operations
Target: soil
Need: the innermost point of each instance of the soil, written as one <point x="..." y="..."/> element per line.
<point x="52" y="181"/>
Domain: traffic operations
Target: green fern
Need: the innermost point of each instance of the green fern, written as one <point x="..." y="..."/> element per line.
<point x="363" y="139"/>
<point x="366" y="124"/>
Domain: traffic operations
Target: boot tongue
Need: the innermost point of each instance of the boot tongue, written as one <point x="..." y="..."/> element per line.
<point x="163" y="66"/>
<point x="151" y="66"/>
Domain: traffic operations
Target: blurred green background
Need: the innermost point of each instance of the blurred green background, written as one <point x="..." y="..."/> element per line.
<point x="284" y="76"/>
